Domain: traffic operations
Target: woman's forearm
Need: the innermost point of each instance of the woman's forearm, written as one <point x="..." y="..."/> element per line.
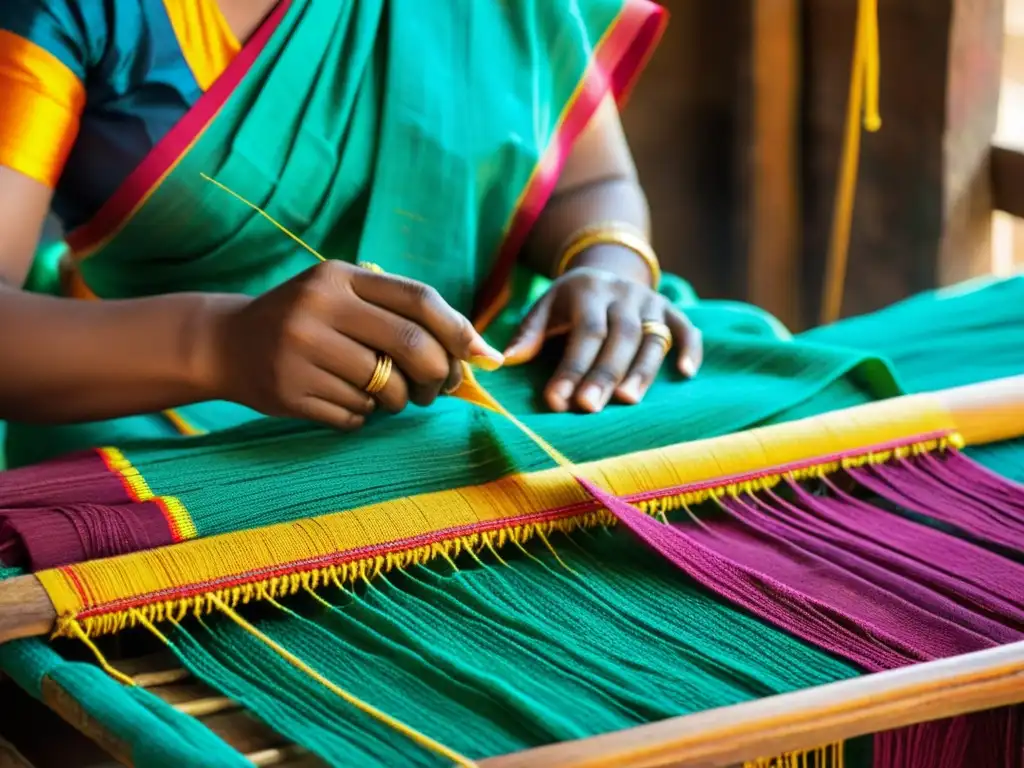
<point x="597" y="186"/>
<point x="617" y="200"/>
<point x="64" y="360"/>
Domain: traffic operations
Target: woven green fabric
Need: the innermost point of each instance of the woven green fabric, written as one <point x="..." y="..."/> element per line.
<point x="496" y="658"/>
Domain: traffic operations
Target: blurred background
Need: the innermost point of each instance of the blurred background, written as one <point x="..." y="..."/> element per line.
<point x="738" y="128"/>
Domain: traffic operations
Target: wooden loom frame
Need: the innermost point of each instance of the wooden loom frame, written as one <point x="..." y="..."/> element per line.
<point x="986" y="412"/>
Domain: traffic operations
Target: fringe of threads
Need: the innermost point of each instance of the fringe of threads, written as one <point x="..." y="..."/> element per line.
<point x="344" y="574"/>
<point x="830" y="756"/>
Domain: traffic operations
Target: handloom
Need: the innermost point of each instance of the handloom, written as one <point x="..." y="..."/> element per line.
<point x="920" y="568"/>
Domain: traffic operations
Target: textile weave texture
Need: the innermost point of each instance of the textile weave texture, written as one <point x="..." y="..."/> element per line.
<point x="626" y="638"/>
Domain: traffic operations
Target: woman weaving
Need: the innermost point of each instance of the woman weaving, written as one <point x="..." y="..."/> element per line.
<point x="475" y="148"/>
<point x="206" y="302"/>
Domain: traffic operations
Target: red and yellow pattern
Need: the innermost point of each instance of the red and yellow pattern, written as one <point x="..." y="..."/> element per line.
<point x="105" y="596"/>
<point x="179" y="521"/>
<point x="42" y="104"/>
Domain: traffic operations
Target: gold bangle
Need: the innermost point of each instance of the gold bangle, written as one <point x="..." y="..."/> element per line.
<point x="611" y="234"/>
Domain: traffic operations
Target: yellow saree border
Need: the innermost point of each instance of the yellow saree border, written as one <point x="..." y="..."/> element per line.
<point x="105" y="596"/>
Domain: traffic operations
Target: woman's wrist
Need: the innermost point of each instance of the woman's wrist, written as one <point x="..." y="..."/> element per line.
<point x="207" y="345"/>
<point x="616" y="259"/>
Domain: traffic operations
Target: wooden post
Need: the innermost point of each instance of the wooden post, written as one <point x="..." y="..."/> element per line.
<point x="770" y="163"/>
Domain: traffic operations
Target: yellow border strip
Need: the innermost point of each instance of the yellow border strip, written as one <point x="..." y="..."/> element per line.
<point x="106" y="595"/>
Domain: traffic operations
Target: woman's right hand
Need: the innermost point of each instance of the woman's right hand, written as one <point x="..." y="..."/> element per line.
<point x="308" y="348"/>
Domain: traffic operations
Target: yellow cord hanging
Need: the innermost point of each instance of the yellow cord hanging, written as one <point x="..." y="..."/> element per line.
<point x="862" y="110"/>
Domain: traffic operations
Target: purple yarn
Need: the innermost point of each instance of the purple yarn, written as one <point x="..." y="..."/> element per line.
<point x="871" y="586"/>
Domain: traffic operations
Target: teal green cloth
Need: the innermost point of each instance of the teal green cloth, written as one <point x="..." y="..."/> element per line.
<point x="495" y="658"/>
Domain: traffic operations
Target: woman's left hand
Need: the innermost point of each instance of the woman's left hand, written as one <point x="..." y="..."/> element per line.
<point x="608" y="352"/>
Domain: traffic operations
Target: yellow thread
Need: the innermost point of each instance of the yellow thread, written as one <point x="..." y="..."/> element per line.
<point x="78" y="632"/>
<point x="152" y="628"/>
<point x="412" y="734"/>
<point x="265" y="215"/>
<point x="861" y="109"/>
<point x="551" y="549"/>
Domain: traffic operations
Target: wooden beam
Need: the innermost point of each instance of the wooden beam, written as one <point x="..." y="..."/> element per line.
<point x="803" y="720"/>
<point x="1007" y="164"/>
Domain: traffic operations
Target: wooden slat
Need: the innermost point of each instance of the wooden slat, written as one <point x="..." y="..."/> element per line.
<point x="1007" y="165"/>
<point x="724" y="737"/>
<point x="11" y="757"/>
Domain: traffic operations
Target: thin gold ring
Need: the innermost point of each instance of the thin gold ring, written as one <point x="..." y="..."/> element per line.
<point x="381" y="374"/>
<point x="660" y="331"/>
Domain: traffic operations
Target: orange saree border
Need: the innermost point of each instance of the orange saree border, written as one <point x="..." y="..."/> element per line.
<point x="619" y="59"/>
<point x="341" y="547"/>
<point x="46" y="99"/>
<point x="165" y="156"/>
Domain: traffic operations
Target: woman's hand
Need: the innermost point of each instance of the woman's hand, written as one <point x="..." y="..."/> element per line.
<point x="607" y="352"/>
<point x="308" y="348"/>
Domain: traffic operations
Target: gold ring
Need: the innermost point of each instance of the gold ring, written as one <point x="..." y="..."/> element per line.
<point x="381" y="374"/>
<point x="370" y="266"/>
<point x="659" y="330"/>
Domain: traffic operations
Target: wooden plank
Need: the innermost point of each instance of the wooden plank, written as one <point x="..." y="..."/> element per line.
<point x="803" y="720"/>
<point x="11" y="757"/>
<point x="25" y="609"/>
<point x="1008" y="180"/>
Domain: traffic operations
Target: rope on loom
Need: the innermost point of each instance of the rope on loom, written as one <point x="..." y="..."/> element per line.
<point x="863" y="100"/>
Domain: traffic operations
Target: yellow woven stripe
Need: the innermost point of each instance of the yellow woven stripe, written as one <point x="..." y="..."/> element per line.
<point x="180" y="521"/>
<point x="183" y="425"/>
<point x="285" y="557"/>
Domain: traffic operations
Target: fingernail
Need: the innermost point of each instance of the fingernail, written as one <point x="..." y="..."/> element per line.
<point x="592" y="398"/>
<point x="513" y="354"/>
<point x="479" y="348"/>
<point x="487" y="363"/>
<point x="688" y="367"/>
<point x="559" y="395"/>
<point x="630" y="389"/>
